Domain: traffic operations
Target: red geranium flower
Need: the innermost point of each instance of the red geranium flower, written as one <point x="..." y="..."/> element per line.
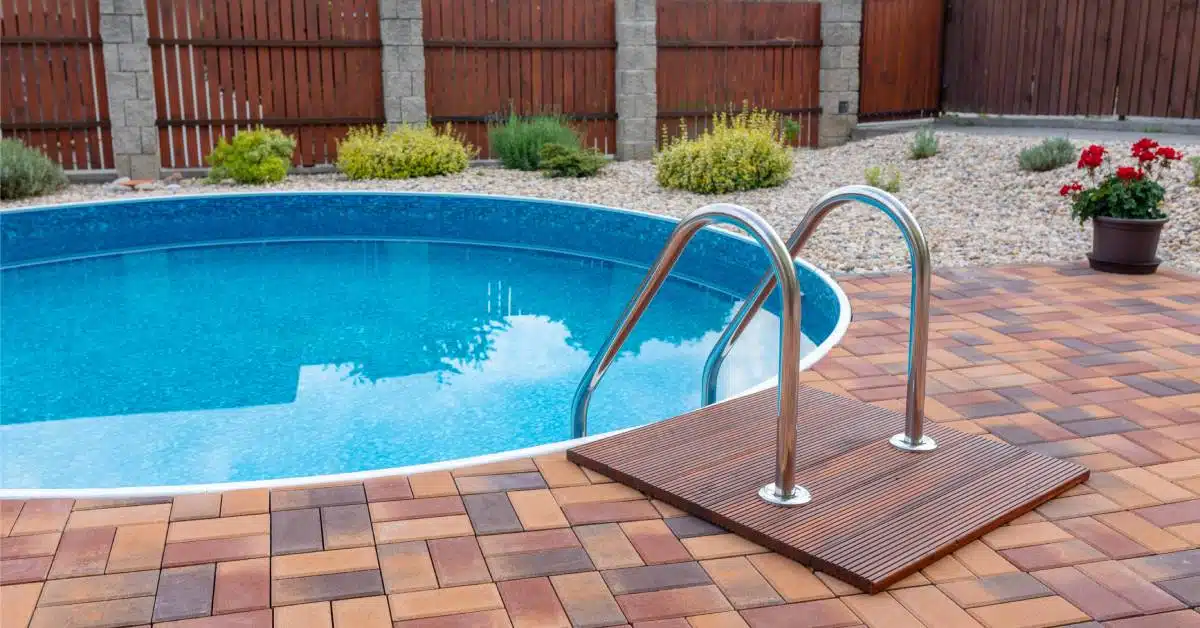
<point x="1066" y="190"/>
<point x="1146" y="155"/>
<point x="1128" y="173"/>
<point x="1166" y="152"/>
<point x="1092" y="156"/>
<point x="1143" y="145"/>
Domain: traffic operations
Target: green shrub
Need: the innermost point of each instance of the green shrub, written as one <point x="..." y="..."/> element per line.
<point x="924" y="144"/>
<point x="741" y="151"/>
<point x="568" y="161"/>
<point x="791" y="130"/>
<point x="258" y="156"/>
<point x="1195" y="161"/>
<point x="875" y="178"/>
<point x="406" y="152"/>
<point x="518" y="142"/>
<point x="27" y="172"/>
<point x="1053" y="153"/>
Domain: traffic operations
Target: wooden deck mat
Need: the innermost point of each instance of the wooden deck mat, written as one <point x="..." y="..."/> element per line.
<point x="877" y="514"/>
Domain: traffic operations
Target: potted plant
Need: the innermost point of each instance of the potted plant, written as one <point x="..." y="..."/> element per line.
<point x="1124" y="204"/>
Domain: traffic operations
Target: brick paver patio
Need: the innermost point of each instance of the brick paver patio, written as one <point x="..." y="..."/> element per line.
<point x="1101" y="369"/>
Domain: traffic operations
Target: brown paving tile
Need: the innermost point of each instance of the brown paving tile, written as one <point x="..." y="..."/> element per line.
<point x="587" y="600"/>
<point x="480" y="619"/>
<point x="1124" y="582"/>
<point x="654" y="541"/>
<point x="532" y="603"/>
<point x="29" y="545"/>
<point x="518" y="542"/>
<point x="741" y="583"/>
<point x="82" y="552"/>
<point x="497" y="483"/>
<point x="558" y="472"/>
<point x="1106" y="539"/>
<point x="184" y="592"/>
<point x="1011" y="536"/>
<point x="1052" y="555"/>
<point x="503" y="467"/>
<point x="245" y="502"/>
<point x="406" y="567"/>
<point x="668" y="603"/>
<point x="1166" y="566"/>
<point x="335" y="586"/>
<point x="330" y="561"/>
<point x="728" y="619"/>
<point x="1007" y="587"/>
<point x="317" y="497"/>
<point x="216" y="550"/>
<point x="609" y="492"/>
<point x="1086" y="594"/>
<point x="458" y="561"/>
<point x="296" y="531"/>
<point x="1036" y="613"/>
<point x="19" y="570"/>
<point x="1172" y="514"/>
<point x="1077" y="506"/>
<point x="793" y="581"/>
<point x="1177" y="619"/>
<point x="882" y="611"/>
<point x="416" y="529"/>
<point x="248" y="619"/>
<point x="492" y="513"/>
<point x="98" y="588"/>
<point x="198" y="506"/>
<point x="10" y="509"/>
<point x="434" y="484"/>
<point x="655" y="577"/>
<point x="540" y="563"/>
<point x="947" y="569"/>
<point x="362" y="612"/>
<point x="720" y="546"/>
<point x="1186" y="589"/>
<point x="607" y="546"/>
<point x="387" y="489"/>
<point x="537" y="509"/>
<point x="456" y="600"/>
<point x="312" y="615"/>
<point x="1143" y="532"/>
<point x="818" y="614"/>
<point x="17" y="602"/>
<point x="347" y="526"/>
<point x="129" y="515"/>
<point x="610" y="512"/>
<point x="42" y="515"/>
<point x="421" y="508"/>
<point x="126" y="612"/>
<point x="1154" y="485"/>
<point x="687" y="527"/>
<point x="933" y="608"/>
<point x="220" y="528"/>
<point x="242" y="585"/>
<point x="137" y="547"/>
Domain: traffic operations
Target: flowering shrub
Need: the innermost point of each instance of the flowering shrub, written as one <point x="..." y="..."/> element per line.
<point x="1116" y="191"/>
<point x="742" y="151"/>
<point x="403" y="153"/>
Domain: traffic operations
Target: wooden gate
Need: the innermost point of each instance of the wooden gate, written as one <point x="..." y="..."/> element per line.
<point x="485" y="59"/>
<point x="311" y="68"/>
<point x="1074" y="57"/>
<point x="900" y="68"/>
<point x="717" y="55"/>
<point x="52" y="85"/>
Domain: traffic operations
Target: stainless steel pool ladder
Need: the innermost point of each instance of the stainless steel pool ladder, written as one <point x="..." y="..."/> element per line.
<point x="783" y="491"/>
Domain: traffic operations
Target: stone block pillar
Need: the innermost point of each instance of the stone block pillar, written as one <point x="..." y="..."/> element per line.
<point x="403" y="61"/>
<point x="841" y="35"/>
<point x="124" y="31"/>
<point x="637" y="91"/>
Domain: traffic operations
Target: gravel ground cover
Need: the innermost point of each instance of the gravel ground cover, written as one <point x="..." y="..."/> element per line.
<point x="975" y="205"/>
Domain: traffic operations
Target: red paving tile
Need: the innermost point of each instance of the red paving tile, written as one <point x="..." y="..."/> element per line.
<point x="1097" y="368"/>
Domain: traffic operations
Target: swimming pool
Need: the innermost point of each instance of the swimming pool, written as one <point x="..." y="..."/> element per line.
<point x="186" y="341"/>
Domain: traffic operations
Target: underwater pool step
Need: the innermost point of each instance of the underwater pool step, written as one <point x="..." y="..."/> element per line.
<point x="877" y="515"/>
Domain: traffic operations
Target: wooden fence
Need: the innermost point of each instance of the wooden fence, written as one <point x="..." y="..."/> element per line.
<point x="715" y="55"/>
<point x="1074" y="57"/>
<point x="52" y="85"/>
<point x="901" y="59"/>
<point x="311" y="68"/>
<point x="485" y="59"/>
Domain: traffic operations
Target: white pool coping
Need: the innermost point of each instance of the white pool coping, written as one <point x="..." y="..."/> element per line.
<point x="806" y="362"/>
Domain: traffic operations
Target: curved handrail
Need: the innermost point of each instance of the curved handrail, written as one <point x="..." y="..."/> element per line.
<point x="913" y="438"/>
<point x="784" y="490"/>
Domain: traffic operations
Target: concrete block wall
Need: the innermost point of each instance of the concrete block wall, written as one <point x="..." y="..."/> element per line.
<point x="841" y="36"/>
<point x="636" y="80"/>
<point x="403" y="61"/>
<point x="124" y="30"/>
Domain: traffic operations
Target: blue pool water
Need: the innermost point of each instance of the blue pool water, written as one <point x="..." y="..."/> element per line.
<point x="255" y="361"/>
<point x="217" y="338"/>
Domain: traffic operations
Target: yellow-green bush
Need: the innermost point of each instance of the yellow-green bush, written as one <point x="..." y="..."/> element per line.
<point x="258" y="156"/>
<point x="741" y="151"/>
<point x="403" y="153"/>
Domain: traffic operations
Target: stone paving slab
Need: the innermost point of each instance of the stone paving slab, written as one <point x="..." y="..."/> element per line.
<point x="1099" y="369"/>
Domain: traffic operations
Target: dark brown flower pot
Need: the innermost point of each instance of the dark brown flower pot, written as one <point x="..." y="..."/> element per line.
<point x="1125" y="246"/>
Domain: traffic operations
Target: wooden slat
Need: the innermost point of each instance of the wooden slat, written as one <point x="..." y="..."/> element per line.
<point x="877" y="514"/>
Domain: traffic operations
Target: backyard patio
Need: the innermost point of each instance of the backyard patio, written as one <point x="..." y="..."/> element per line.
<point x="1099" y="369"/>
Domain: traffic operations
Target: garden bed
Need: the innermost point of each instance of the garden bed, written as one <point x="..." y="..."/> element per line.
<point x="976" y="206"/>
